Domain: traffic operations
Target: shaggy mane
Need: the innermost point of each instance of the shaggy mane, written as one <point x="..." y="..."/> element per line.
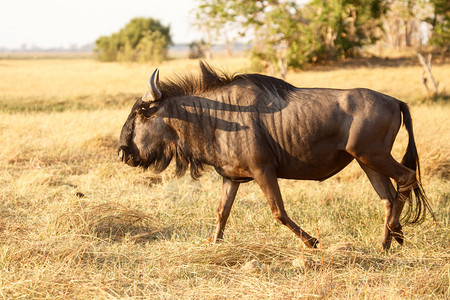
<point x="209" y="79"/>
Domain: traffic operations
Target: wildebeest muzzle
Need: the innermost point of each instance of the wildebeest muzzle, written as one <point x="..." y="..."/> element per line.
<point x="127" y="158"/>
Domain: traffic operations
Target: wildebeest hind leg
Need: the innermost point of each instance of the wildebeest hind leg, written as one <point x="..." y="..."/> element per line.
<point x="268" y="183"/>
<point x="229" y="190"/>
<point x="385" y="189"/>
<point x="406" y="180"/>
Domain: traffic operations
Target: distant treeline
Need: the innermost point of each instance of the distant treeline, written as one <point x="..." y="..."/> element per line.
<point x="142" y="39"/>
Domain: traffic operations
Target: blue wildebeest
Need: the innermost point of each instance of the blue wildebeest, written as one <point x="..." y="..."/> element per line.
<point x="255" y="127"/>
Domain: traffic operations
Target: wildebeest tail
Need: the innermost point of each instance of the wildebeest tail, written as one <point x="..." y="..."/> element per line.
<point x="418" y="205"/>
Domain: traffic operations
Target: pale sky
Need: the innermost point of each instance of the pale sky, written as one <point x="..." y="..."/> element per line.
<point x="61" y="23"/>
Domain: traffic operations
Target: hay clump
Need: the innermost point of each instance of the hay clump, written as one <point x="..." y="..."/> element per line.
<point x="112" y="221"/>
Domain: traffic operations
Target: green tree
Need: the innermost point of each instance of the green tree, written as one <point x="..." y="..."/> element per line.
<point x="402" y="23"/>
<point x="273" y="25"/>
<point x="197" y="49"/>
<point x="107" y="47"/>
<point x="285" y="34"/>
<point x="441" y="24"/>
<point x="278" y="30"/>
<point x="152" y="47"/>
<point x="342" y="27"/>
<point x="142" y="39"/>
<point x="215" y="19"/>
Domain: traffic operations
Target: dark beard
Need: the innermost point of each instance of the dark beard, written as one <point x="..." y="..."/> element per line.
<point x="159" y="158"/>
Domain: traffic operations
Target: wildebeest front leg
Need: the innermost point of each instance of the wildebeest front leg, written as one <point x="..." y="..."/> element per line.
<point x="268" y="182"/>
<point x="229" y="190"/>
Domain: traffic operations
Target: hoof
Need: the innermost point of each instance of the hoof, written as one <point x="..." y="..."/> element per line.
<point x="213" y="240"/>
<point x="386" y="244"/>
<point x="397" y="233"/>
<point x="399" y="237"/>
<point x="209" y="240"/>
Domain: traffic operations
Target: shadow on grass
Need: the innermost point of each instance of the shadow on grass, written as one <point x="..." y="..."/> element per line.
<point x="440" y="98"/>
<point x="370" y="62"/>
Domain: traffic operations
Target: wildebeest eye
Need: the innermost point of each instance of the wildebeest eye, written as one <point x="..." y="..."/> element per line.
<point x="147" y="111"/>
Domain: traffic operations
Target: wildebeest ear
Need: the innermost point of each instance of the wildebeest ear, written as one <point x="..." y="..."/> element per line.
<point x="208" y="74"/>
<point x="154" y="92"/>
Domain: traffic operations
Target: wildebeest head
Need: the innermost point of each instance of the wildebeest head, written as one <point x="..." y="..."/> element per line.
<point x="171" y="119"/>
<point x="145" y="139"/>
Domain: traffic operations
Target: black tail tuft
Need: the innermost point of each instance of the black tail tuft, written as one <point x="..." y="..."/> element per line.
<point x="416" y="211"/>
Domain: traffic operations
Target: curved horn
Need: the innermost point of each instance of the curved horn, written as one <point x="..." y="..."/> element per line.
<point x="153" y="84"/>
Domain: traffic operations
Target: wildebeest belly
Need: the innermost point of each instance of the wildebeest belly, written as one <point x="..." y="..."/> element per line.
<point x="317" y="169"/>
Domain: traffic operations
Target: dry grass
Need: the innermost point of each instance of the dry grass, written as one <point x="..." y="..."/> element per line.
<point x="75" y="223"/>
<point x="58" y="85"/>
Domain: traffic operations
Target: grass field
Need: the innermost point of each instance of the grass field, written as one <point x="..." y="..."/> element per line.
<point x="76" y="223"/>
